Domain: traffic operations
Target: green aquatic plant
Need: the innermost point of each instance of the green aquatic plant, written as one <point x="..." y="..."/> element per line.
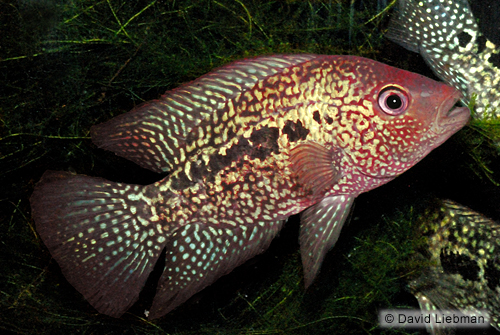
<point x="482" y="143"/>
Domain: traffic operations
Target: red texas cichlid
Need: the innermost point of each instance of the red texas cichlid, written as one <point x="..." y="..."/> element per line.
<point x="247" y="145"/>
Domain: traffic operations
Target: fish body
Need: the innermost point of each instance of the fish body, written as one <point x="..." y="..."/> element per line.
<point x="447" y="36"/>
<point x="247" y="145"/>
<point x="464" y="267"/>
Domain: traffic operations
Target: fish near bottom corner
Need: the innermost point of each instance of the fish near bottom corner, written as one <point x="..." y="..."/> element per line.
<point x="462" y="268"/>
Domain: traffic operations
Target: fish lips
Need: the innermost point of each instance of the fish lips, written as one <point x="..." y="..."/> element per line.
<point x="448" y="119"/>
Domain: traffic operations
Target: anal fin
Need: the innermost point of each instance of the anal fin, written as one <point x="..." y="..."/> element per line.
<point x="197" y="255"/>
<point x="319" y="231"/>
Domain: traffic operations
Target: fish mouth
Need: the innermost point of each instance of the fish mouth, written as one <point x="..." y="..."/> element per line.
<point x="449" y="119"/>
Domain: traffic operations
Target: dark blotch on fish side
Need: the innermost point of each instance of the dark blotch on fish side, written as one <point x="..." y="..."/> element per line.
<point x="492" y="275"/>
<point x="328" y="120"/>
<point x="459" y="264"/>
<point x="316" y="117"/>
<point x="191" y="137"/>
<point x="495" y="60"/>
<point x="265" y="142"/>
<point x="198" y="170"/>
<point x="464" y="38"/>
<point x="451" y="238"/>
<point x="481" y="44"/>
<point x="295" y="131"/>
<point x="219" y="162"/>
<point x="181" y="182"/>
<point x="487" y="13"/>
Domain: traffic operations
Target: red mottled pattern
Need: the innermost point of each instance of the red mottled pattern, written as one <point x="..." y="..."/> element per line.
<point x="247" y="145"/>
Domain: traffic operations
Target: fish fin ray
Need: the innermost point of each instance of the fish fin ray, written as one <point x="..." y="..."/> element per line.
<point x="148" y="135"/>
<point x="428" y="306"/>
<point x="89" y="228"/>
<point x="315" y="166"/>
<point x="197" y="255"/>
<point x="407" y="23"/>
<point x="399" y="27"/>
<point x="448" y="74"/>
<point x="435" y="291"/>
<point x="407" y="29"/>
<point x="320" y="228"/>
<point x="154" y="133"/>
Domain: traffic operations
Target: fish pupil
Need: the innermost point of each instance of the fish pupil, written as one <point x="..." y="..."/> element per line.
<point x="394" y="101"/>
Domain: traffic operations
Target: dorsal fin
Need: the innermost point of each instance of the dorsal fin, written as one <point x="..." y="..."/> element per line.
<point x="153" y="133"/>
<point x="418" y="24"/>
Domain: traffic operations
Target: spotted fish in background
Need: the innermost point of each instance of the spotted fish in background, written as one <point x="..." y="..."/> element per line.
<point x="464" y="272"/>
<point x="446" y="34"/>
<point x="247" y="145"/>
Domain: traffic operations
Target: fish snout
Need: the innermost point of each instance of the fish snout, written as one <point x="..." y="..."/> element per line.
<point x="448" y="118"/>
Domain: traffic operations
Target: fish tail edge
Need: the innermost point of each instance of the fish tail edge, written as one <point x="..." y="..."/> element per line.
<point x="102" y="234"/>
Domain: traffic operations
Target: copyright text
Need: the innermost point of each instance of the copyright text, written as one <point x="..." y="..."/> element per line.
<point x="410" y="318"/>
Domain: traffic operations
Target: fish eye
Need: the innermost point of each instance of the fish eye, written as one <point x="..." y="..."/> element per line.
<point x="393" y="100"/>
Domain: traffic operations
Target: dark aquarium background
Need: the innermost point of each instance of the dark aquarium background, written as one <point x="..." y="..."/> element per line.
<point x="67" y="65"/>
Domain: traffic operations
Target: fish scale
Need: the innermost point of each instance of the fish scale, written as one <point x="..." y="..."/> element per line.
<point x="246" y="145"/>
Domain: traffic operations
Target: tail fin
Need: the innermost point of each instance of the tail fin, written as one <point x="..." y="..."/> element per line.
<point x="105" y="236"/>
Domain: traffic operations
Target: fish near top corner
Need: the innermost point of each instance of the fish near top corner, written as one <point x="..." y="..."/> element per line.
<point x="447" y="36"/>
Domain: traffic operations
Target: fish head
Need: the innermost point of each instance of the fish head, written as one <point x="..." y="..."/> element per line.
<point x="410" y="115"/>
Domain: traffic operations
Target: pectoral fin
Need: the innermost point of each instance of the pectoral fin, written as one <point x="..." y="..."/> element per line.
<point x="319" y="230"/>
<point x="315" y="166"/>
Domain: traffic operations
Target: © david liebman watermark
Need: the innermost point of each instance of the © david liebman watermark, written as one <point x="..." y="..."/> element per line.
<point x="416" y="318"/>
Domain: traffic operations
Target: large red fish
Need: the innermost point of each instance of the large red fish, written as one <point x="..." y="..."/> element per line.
<point x="247" y="145"/>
